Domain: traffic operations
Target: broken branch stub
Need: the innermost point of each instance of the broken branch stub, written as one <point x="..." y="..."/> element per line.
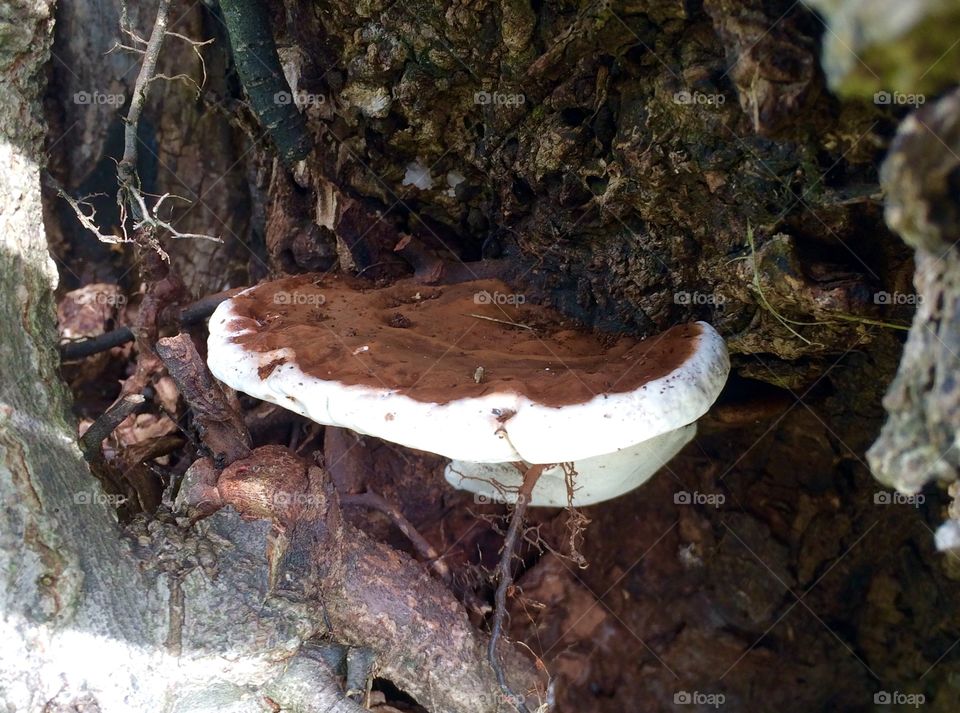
<point x="219" y="422"/>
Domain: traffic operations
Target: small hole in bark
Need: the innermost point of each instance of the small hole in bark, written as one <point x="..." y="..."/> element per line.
<point x="636" y="54"/>
<point x="392" y="693"/>
<point x="574" y="116"/>
<point x="522" y="190"/>
<point x="597" y="184"/>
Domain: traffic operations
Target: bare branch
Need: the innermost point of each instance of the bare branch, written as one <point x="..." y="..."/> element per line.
<point x="185" y="78"/>
<point x="129" y="197"/>
<point x="505" y="571"/>
<point x="121" y="46"/>
<point x="196" y="45"/>
<point x="87" y="219"/>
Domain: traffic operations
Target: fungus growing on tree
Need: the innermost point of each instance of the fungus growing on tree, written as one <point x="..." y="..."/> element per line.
<point x="473" y="372"/>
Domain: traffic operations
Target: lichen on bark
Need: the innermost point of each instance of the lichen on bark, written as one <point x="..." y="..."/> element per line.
<point x="919" y="441"/>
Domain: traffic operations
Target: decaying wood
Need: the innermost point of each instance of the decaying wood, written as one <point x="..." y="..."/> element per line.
<point x="164" y="289"/>
<point x="77" y="606"/>
<point x="316" y="557"/>
<point x="80" y="602"/>
<point x="613" y="199"/>
<point x="219" y="421"/>
<point x="373" y="595"/>
<point x="90" y="442"/>
<point x="918" y="444"/>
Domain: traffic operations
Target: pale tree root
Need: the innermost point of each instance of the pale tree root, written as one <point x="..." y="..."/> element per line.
<point x="373" y="596"/>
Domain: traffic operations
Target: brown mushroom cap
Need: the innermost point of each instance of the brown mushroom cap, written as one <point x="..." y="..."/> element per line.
<point x="469" y="371"/>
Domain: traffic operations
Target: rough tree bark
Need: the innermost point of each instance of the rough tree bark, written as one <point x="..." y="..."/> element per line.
<point x="161" y="616"/>
<point x="85" y="624"/>
<point x="919" y="176"/>
<point x="919" y="441"/>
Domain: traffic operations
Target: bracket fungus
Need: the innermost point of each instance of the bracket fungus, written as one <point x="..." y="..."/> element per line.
<point x="473" y="372"/>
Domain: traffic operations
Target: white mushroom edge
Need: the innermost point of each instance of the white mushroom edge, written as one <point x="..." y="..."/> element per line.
<point x="493" y="428"/>
<point x="596" y="479"/>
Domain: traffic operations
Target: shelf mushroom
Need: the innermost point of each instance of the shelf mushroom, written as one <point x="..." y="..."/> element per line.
<point x="473" y="372"/>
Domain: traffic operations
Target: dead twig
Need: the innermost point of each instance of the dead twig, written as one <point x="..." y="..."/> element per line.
<point x="505" y="573"/>
<point x="147" y="226"/>
<point x="191" y="314"/>
<point x="93" y="437"/>
<point x="500" y="321"/>
<point x="219" y="422"/>
<point x="423" y="547"/>
<point x="195" y="45"/>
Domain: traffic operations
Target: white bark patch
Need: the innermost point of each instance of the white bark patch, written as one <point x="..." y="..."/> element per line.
<point x="418" y="175"/>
